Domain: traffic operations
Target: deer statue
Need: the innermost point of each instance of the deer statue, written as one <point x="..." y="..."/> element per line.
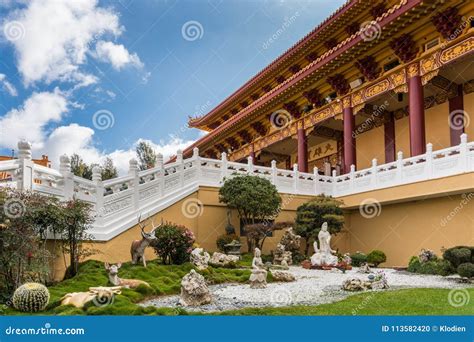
<point x="112" y="271"/>
<point x="100" y="296"/>
<point x="137" y="249"/>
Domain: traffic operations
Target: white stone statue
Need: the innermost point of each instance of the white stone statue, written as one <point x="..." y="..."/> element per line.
<point x="258" y="278"/>
<point x="323" y="256"/>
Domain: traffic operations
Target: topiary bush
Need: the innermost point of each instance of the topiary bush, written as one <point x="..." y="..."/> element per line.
<point x="358" y="259"/>
<point x="466" y="270"/>
<point x="173" y="243"/>
<point x="376" y="257"/>
<point x="437" y="266"/>
<point x="459" y="255"/>
<point x="31" y="297"/>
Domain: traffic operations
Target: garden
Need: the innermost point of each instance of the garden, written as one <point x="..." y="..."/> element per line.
<point x="303" y="275"/>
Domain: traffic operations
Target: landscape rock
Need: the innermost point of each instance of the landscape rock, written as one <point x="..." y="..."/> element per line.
<point x="194" y="290"/>
<point x="283" y="276"/>
<point x="200" y="258"/>
<point x="223" y="260"/>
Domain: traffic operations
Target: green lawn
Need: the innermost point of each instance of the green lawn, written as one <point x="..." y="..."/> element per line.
<point x="166" y="280"/>
<point x="397" y="302"/>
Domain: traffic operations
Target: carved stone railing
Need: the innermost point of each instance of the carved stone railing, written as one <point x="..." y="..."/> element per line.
<point x="118" y="201"/>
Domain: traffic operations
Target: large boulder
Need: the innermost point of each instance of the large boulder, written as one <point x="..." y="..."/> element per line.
<point x="194" y="290"/>
<point x="282" y="276"/>
<point x="200" y="258"/>
<point x="356" y="284"/>
<point x="223" y="260"/>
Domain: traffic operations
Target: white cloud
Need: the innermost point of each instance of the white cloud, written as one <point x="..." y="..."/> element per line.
<point x="57" y="37"/>
<point x="7" y="86"/>
<point x="30" y="120"/>
<point x="117" y="55"/>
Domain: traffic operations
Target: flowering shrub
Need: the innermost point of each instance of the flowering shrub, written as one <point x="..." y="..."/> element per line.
<point x="427" y="255"/>
<point x="173" y="243"/>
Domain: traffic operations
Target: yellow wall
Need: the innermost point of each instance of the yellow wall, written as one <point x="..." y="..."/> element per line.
<point x="370" y="145"/>
<point x="437" y="126"/>
<point x="469" y="121"/>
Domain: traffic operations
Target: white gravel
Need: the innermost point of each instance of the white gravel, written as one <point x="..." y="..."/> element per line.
<point x="312" y="287"/>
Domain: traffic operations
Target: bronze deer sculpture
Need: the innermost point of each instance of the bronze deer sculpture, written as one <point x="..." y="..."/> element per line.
<point x="137" y="249"/>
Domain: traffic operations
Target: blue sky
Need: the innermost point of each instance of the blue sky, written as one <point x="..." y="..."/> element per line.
<point x="95" y="77"/>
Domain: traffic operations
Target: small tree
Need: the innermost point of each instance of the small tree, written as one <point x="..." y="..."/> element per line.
<point x="254" y="198"/>
<point x="311" y="215"/>
<point x="146" y="155"/>
<point x="80" y="168"/>
<point x="257" y="233"/>
<point x="76" y="218"/>
<point x="108" y="168"/>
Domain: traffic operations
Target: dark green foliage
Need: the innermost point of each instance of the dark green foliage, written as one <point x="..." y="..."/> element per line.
<point x="358" y="259"/>
<point x="173" y="243"/>
<point x="466" y="270"/>
<point x="225" y="239"/>
<point x="459" y="255"/>
<point x="146" y="155"/>
<point x="256" y="199"/>
<point x="311" y="215"/>
<point x="108" y="169"/>
<point x="438" y="267"/>
<point x="81" y="169"/>
<point x="376" y="257"/>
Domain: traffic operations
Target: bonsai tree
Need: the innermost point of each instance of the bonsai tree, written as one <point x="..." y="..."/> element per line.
<point x="311" y="215"/>
<point x="255" y="199"/>
<point x="257" y="233"/>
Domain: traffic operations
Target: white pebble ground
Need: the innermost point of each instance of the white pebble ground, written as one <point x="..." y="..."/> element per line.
<point x="312" y="287"/>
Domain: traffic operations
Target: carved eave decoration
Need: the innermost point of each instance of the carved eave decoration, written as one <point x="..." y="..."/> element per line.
<point x="448" y="22"/>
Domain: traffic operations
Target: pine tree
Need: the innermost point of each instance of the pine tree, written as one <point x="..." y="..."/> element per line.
<point x="146" y="155"/>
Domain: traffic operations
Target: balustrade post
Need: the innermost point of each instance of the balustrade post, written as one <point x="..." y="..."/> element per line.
<point x="161" y="174"/>
<point x="99" y="193"/>
<point x="274" y="172"/>
<point x="250" y="167"/>
<point x="25" y="178"/>
<point x="135" y="182"/>
<point x="464" y="162"/>
<point x="316" y="181"/>
<point x="374" y="172"/>
<point x="429" y="160"/>
<point x="180" y="161"/>
<point x="352" y="177"/>
<point x="399" y="166"/>
<point x="223" y="165"/>
<point x="296" y="177"/>
<point x="68" y="177"/>
<point x="197" y="163"/>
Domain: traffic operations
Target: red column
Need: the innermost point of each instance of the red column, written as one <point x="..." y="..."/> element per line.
<point x="302" y="150"/>
<point x="416" y="109"/>
<point x="349" y="139"/>
<point x="456" y="117"/>
<point x="389" y="134"/>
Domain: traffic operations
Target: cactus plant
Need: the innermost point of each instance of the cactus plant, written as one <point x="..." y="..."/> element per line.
<point x="31" y="297"/>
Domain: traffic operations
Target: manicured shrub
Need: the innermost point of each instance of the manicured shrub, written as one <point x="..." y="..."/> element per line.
<point x="466" y="270"/>
<point x="223" y="240"/>
<point x="31" y="297"/>
<point x="438" y="267"/>
<point x="358" y="259"/>
<point x="173" y="243"/>
<point x="458" y="255"/>
<point x="376" y="257"/>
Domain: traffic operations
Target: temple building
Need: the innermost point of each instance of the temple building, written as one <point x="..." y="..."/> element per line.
<point x="374" y="79"/>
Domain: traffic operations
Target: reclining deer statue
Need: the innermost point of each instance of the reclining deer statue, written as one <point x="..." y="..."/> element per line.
<point x="100" y="296"/>
<point x="112" y="271"/>
<point x="137" y="250"/>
